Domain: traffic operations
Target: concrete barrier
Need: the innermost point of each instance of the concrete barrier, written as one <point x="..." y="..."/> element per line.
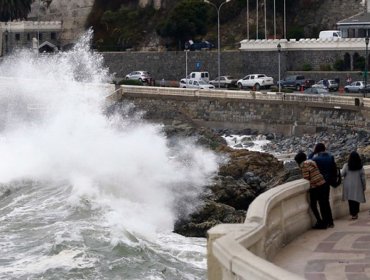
<point x="329" y="100"/>
<point x="275" y="218"/>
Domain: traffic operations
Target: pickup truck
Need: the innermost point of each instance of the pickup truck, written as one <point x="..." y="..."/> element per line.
<point x="296" y="82"/>
<point x="255" y="81"/>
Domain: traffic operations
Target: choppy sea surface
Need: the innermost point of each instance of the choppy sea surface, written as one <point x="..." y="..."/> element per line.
<point x="45" y="235"/>
<point x="249" y="142"/>
<point x="83" y="194"/>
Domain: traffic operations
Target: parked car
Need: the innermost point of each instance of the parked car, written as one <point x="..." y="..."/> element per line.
<point x="203" y="45"/>
<point x="192" y="83"/>
<point x="316" y="90"/>
<point x="365" y="89"/>
<point x="200" y="75"/>
<point x="255" y="81"/>
<point x="296" y="82"/>
<point x="225" y="81"/>
<point x="356" y="86"/>
<point x="142" y="76"/>
<point x="331" y="85"/>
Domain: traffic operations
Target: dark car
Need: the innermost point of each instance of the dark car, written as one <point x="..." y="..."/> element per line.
<point x="197" y="46"/>
<point x="296" y="82"/>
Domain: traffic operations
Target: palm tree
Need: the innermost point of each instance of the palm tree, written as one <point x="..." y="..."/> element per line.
<point x="14" y="9"/>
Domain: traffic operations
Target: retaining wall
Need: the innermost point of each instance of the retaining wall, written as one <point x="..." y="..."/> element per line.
<point x="288" y="114"/>
<point x="273" y="219"/>
<point x="172" y="65"/>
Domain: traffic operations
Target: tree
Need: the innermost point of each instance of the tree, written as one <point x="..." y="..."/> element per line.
<point x="187" y="20"/>
<point x="14" y="9"/>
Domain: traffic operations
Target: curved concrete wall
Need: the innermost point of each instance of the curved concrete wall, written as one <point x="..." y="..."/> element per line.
<point x="274" y="219"/>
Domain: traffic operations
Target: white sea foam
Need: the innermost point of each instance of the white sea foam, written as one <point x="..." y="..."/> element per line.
<point x="249" y="142"/>
<point x="69" y="173"/>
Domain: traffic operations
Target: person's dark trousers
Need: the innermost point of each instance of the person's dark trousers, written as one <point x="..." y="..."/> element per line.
<point x="314" y="199"/>
<point x="354" y="207"/>
<point x="325" y="209"/>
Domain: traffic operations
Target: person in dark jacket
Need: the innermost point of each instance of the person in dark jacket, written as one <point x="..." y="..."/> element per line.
<point x="325" y="162"/>
<point x="311" y="172"/>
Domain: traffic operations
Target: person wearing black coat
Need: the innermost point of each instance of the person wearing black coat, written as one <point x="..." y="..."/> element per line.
<point x="324" y="161"/>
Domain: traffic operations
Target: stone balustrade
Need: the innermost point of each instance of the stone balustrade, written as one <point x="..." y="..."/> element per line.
<point x="330" y="100"/>
<point x="275" y="218"/>
<point x="18" y="26"/>
<point x="350" y="44"/>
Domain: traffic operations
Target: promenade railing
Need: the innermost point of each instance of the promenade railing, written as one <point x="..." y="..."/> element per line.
<point x="275" y="218"/>
<point x="335" y="100"/>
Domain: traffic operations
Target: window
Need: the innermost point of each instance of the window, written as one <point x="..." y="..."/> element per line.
<point x="17" y="36"/>
<point x="40" y="36"/>
<point x="53" y="35"/>
<point x="28" y="37"/>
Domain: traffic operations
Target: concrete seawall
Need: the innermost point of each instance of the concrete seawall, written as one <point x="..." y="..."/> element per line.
<point x="275" y="218"/>
<point x="288" y="114"/>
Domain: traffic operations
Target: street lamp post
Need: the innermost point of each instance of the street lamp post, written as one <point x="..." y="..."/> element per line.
<point x="366" y="64"/>
<point x="186" y="62"/>
<point x="279" y="51"/>
<point x="218" y="36"/>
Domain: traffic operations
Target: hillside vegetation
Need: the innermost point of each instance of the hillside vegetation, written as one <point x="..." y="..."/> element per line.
<point x="123" y="24"/>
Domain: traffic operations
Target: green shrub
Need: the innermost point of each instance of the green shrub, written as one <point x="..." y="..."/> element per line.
<point x="130" y="82"/>
<point x="296" y="32"/>
<point x="325" y="67"/>
<point x="339" y="65"/>
<point x="307" y="67"/>
<point x="359" y="63"/>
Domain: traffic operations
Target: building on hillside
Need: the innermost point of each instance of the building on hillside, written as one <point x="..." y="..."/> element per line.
<point x="42" y="36"/>
<point x="357" y="26"/>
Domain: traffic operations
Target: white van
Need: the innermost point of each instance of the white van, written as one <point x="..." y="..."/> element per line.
<point x="330" y="34"/>
<point x="199" y="76"/>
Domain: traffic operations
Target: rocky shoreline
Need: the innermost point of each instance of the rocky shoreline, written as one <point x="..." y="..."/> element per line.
<point x="247" y="173"/>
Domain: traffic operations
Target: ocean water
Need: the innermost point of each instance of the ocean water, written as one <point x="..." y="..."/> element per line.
<point x="84" y="195"/>
<point x="249" y="142"/>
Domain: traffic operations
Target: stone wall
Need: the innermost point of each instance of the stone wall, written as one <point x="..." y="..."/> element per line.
<point x="304" y="115"/>
<point x="73" y="14"/>
<point x="172" y="65"/>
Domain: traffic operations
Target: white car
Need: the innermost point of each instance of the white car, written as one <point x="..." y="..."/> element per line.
<point x="330" y="85"/>
<point x="255" y="81"/>
<point x="142" y="76"/>
<point x="356" y="86"/>
<point x="192" y="83"/>
<point x="225" y="81"/>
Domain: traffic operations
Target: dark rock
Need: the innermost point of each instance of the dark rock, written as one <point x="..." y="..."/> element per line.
<point x="209" y="215"/>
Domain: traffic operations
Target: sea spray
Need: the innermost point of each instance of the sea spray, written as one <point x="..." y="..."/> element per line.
<point x="85" y="195"/>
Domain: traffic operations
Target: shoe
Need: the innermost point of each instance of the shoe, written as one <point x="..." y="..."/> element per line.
<point x="319" y="226"/>
<point x="331" y="225"/>
<point x="355" y="217"/>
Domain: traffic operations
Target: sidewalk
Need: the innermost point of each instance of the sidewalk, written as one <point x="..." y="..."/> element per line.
<point x="339" y="253"/>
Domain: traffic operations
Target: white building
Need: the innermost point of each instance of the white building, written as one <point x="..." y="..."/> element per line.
<point x="42" y="36"/>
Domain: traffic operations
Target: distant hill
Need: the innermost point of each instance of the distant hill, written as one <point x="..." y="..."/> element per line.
<point x="142" y="24"/>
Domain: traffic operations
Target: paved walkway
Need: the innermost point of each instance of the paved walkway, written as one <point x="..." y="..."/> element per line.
<point x="339" y="253"/>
